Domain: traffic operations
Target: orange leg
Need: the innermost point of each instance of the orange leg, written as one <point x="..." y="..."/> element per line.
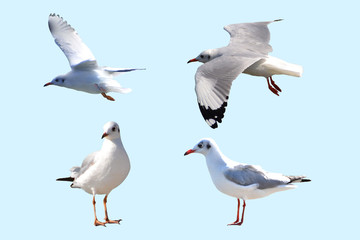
<point x="104" y="94"/>
<point x="106" y="214"/>
<point x="237" y="216"/>
<point x="107" y="97"/>
<point x="97" y="222"/>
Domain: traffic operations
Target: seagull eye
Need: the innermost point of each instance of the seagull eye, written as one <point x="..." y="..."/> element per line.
<point x="113" y="129"/>
<point x="200" y="145"/>
<point x="202" y="56"/>
<point x="56" y="80"/>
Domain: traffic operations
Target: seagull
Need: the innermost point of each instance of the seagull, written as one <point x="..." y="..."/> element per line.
<point x="104" y="170"/>
<point x="239" y="180"/>
<point x="85" y="74"/>
<point x="247" y="53"/>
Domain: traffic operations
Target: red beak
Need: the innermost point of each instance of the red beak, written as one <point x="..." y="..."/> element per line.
<point x="47" y="84"/>
<point x="193" y="60"/>
<point x="104" y="135"/>
<point x="188" y="152"/>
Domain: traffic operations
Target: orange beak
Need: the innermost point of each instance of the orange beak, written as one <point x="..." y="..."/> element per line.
<point x="47" y="84"/>
<point x="104" y="135"/>
<point x="193" y="60"/>
<point x="188" y="152"/>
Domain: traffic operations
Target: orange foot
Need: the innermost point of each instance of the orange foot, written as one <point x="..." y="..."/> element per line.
<point x="112" y="221"/>
<point x="98" y="223"/>
<point x="107" y="97"/>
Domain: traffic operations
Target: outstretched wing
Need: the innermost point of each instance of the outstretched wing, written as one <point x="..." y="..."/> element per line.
<point x="213" y="82"/>
<point x="69" y="41"/>
<point x="254" y="37"/>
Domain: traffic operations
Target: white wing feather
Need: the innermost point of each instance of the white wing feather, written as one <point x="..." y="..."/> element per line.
<point x="213" y="84"/>
<point x="69" y="41"/>
<point x="254" y="37"/>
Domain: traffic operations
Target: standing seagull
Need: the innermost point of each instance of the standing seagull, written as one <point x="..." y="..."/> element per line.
<point x="247" y="53"/>
<point x="104" y="170"/>
<point x="239" y="180"/>
<point x="85" y="74"/>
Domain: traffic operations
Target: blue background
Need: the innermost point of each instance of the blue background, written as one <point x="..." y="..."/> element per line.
<point x="311" y="129"/>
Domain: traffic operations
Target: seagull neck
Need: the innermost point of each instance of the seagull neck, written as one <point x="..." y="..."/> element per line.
<point x="215" y="158"/>
<point x="112" y="144"/>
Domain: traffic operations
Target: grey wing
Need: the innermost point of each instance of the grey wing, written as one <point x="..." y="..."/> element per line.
<point x="88" y="161"/>
<point x="213" y="82"/>
<point x="248" y="174"/>
<point x="69" y="41"/>
<point x="253" y="37"/>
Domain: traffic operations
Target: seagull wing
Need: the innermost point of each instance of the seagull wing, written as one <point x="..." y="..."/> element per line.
<point x="70" y="43"/>
<point x="253" y="37"/>
<point x="213" y="82"/>
<point x="246" y="175"/>
<point x="88" y="162"/>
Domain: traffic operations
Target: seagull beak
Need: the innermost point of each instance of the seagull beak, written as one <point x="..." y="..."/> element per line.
<point x="104" y="135"/>
<point x="189" y="151"/>
<point x="193" y="60"/>
<point x="47" y="84"/>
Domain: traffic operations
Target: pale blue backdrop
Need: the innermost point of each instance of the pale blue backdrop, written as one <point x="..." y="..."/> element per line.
<point x="311" y="129"/>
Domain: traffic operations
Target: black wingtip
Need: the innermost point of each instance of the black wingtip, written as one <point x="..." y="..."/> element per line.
<point x="305" y="180"/>
<point x="213" y="116"/>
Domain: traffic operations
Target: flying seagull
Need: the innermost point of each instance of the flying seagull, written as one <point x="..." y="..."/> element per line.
<point x="247" y="53"/>
<point x="85" y="74"/>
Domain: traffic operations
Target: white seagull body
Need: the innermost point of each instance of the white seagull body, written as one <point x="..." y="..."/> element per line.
<point x="241" y="181"/>
<point x="85" y="74"/>
<point x="104" y="170"/>
<point x="247" y="53"/>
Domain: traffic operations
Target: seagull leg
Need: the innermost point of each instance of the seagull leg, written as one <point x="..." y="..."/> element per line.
<point x="106" y="214"/>
<point x="104" y="94"/>
<point x="97" y="222"/>
<point x="242" y="215"/>
<point x="274" y="85"/>
<point x="107" y="97"/>
<point x="272" y="89"/>
<point x="237" y="215"/>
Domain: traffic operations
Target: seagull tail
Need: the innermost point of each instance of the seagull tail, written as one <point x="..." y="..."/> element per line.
<point x="119" y="89"/>
<point x="66" y="179"/>
<point x="292" y="70"/>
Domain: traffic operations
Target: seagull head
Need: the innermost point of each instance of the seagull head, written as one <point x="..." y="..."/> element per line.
<point x="58" y="81"/>
<point x="204" y="146"/>
<point x="205" y="56"/>
<point x="111" y="131"/>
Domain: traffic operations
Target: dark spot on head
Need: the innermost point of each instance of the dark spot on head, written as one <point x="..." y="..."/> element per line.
<point x="208" y="146"/>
